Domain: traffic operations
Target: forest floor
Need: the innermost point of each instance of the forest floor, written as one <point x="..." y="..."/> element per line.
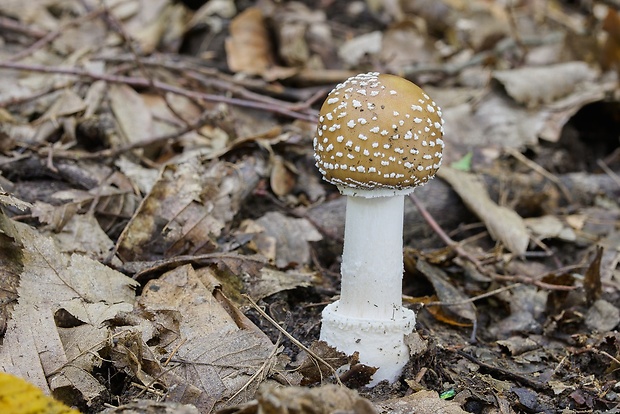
<point x="167" y="243"/>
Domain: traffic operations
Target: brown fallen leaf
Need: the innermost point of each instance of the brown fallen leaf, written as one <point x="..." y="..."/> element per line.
<point x="186" y="210"/>
<point x="532" y="86"/>
<point x="290" y="236"/>
<point x="282" y="179"/>
<point x="503" y="224"/>
<point x="314" y="372"/>
<point x="132" y="114"/>
<point x="592" y="281"/>
<point x="52" y="284"/>
<point x="327" y="399"/>
<point x="270" y="281"/>
<point x="458" y="315"/>
<point x="421" y="402"/>
<point x="248" y="49"/>
<point x="221" y="362"/>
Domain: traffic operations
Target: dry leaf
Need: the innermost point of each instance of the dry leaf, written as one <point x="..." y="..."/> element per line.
<point x="303" y="34"/>
<point x="248" y="49"/>
<point x="185" y="211"/>
<point x="214" y="353"/>
<point x="292" y="237"/>
<point x="68" y="103"/>
<point x="150" y="26"/>
<point x="131" y="112"/>
<point x="271" y="281"/>
<point x="602" y="316"/>
<point x="143" y="178"/>
<point x="51" y="282"/>
<point x="403" y="46"/>
<point x="592" y="281"/>
<point x="352" y="51"/>
<point x="533" y="86"/>
<point x="8" y="200"/>
<point x="315" y="372"/>
<point x="503" y="224"/>
<point x="496" y="121"/>
<point x="282" y="179"/>
<point x="459" y="315"/>
<point x="545" y="227"/>
<point x="327" y="399"/>
<point x="421" y="402"/>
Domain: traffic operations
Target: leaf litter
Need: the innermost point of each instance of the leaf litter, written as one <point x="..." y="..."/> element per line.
<point x="156" y="167"/>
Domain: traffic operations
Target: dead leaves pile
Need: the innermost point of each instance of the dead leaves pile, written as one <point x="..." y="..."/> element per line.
<point x="156" y="167"/>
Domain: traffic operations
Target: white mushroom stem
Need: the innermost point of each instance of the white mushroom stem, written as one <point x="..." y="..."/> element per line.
<point x="369" y="317"/>
<point x="372" y="259"/>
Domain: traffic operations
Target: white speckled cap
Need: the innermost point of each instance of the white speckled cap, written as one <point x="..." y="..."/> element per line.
<point x="378" y="135"/>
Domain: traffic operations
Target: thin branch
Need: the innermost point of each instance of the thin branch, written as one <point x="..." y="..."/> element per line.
<point x="51" y="36"/>
<point x="615" y="177"/>
<point x="162" y="86"/>
<point x="474" y="298"/>
<point x="16" y="27"/>
<point x="540" y="170"/>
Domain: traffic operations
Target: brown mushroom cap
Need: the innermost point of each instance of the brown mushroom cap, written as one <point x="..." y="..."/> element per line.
<point x="378" y="131"/>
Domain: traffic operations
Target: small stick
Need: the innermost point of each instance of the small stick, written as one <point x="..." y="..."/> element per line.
<point x="161" y="86"/>
<point x="608" y="171"/>
<point x="540" y="170"/>
<point x="474" y="298"/>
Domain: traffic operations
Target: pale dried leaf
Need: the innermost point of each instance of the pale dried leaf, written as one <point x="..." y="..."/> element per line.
<point x="533" y="86"/>
<point x="185" y="211"/>
<point x="503" y="224"/>
<point x="9" y="200"/>
<point x="24" y="12"/>
<point x="248" y="49"/>
<point x="324" y="399"/>
<point x="68" y="103"/>
<point x="94" y="97"/>
<point x="56" y="217"/>
<point x="421" y="402"/>
<point x="271" y="281"/>
<point x="565" y="108"/>
<point x="72" y="377"/>
<point x="403" y="46"/>
<point x="48" y="279"/>
<point x="602" y="316"/>
<point x="352" y="51"/>
<point x="496" y="121"/>
<point x="200" y="317"/>
<point x="545" y="227"/>
<point x="143" y="178"/>
<point x="292" y="237"/>
<point x="282" y="179"/>
<point x="84" y="235"/>
<point x="110" y="202"/>
<point x="151" y="406"/>
<point x="222" y="8"/>
<point x="132" y="113"/>
<point x="219" y="357"/>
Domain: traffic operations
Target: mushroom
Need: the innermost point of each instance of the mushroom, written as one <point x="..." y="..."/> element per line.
<point x="379" y="136"/>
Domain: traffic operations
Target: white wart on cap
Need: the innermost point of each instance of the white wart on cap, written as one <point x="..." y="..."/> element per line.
<point x="378" y="132"/>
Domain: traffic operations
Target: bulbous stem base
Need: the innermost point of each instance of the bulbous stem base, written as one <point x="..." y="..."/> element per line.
<point x="380" y="342"/>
